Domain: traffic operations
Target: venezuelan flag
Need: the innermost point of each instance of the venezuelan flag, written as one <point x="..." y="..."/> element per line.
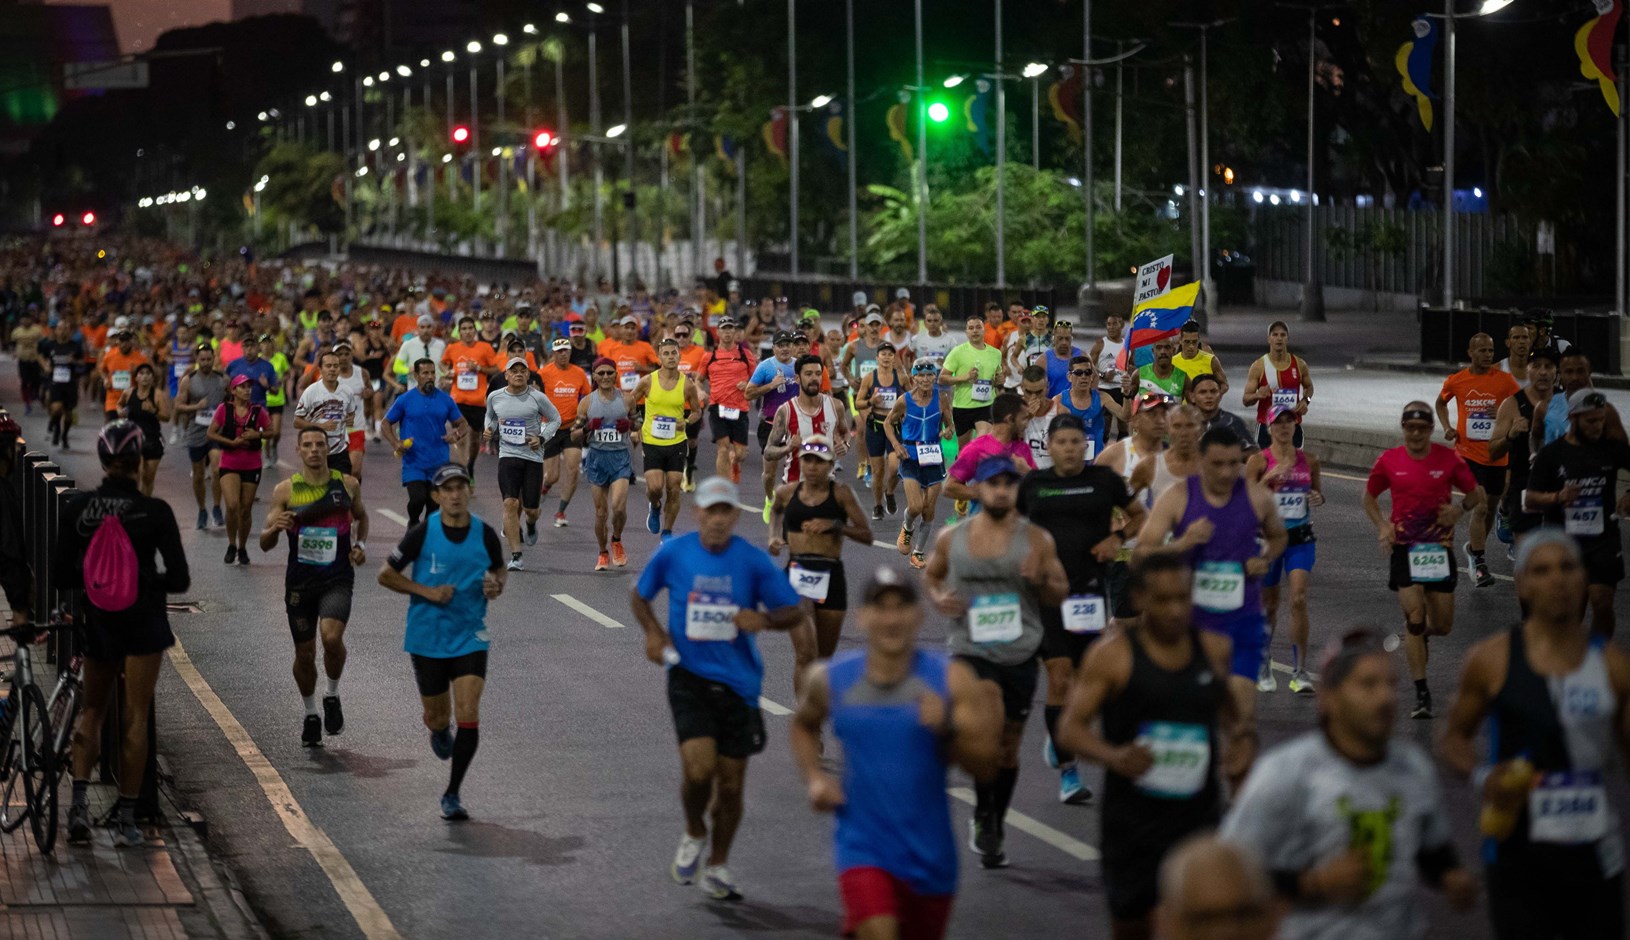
<point x="1156" y="319"/>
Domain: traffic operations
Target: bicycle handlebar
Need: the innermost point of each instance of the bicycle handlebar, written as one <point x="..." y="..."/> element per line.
<point x="28" y="631"/>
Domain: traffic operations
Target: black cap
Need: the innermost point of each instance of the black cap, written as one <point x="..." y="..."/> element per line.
<point x="889" y="578"/>
<point x="448" y="472"/>
<point x="784" y="337"/>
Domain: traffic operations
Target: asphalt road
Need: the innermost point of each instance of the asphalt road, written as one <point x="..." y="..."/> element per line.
<point x="574" y="791"/>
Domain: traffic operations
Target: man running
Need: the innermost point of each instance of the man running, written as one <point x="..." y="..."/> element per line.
<point x="725" y="374"/>
<point x="521" y="419"/>
<point x="992" y="575"/>
<point x="716" y="583"/>
<point x="117" y="367"/>
<point x="875" y="397"/>
<point x="1205" y="877"/>
<point x="915" y="427"/>
<point x="808" y="413"/>
<point x="418" y="428"/>
<point x="565" y="384"/>
<point x="1513" y="426"/>
<point x="1088" y="510"/>
<point x="1350" y="821"/>
<point x="672" y="400"/>
<point x="1418" y="538"/>
<point x="970" y="369"/>
<point x="1162" y="376"/>
<point x="1196" y="358"/>
<point x="64" y="356"/>
<point x="1278" y="378"/>
<point x="1205" y="394"/>
<point x="603" y="427"/>
<point x="1573" y="482"/>
<point x="774" y="382"/>
<point x="1519" y="344"/>
<point x="1092" y="405"/>
<point x="1294" y="478"/>
<point x="332" y="408"/>
<point x="1478" y="390"/>
<point x="321" y="509"/>
<point x="1057" y="359"/>
<point x="1559" y="696"/>
<point x="201" y="392"/>
<point x="1105" y="353"/>
<point x="471" y="362"/>
<point x="811" y="517"/>
<point x="1169" y="727"/>
<point x="457" y="568"/>
<point x="903" y="716"/>
<point x="1039" y="411"/>
<point x="935" y="342"/>
<point x="1004" y="438"/>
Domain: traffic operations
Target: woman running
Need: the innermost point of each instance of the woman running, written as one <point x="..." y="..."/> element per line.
<point x="238" y="426"/>
<point x="1293" y="475"/>
<point x="147" y="404"/>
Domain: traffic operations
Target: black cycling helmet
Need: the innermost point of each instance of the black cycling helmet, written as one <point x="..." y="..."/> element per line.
<point x="120" y="438"/>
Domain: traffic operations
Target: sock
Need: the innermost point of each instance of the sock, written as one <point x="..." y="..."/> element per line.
<point x="334" y="687"/>
<point x="464" y="745"/>
<point x="984" y="799"/>
<point x="667" y="532"/>
<point x="563" y="504"/>
<point x="127" y="810"/>
<point x="515" y="556"/>
<point x="1006" y="779"/>
<point x="1477" y="553"/>
<point x="911" y="521"/>
<point x="1051" y="714"/>
<point x="81" y="793"/>
<point x="1420" y="686"/>
<point x="919" y="538"/>
<point x="311" y="704"/>
<point x="1295" y="657"/>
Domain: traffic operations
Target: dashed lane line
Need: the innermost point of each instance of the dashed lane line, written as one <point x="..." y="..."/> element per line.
<point x="588" y="612"/>
<point x="393" y="516"/>
<point x="774" y="708"/>
<point x="1069" y="845"/>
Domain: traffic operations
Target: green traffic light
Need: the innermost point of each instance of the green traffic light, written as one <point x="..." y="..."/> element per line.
<point x="938" y="112"/>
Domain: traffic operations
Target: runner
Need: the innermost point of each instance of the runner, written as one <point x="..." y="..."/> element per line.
<point x="418" y="429"/>
<point x="1573" y="373"/>
<point x="1205" y="394"/>
<point x="603" y="424"/>
<point x="521" y="419"/>
<point x="565" y="384"/>
<point x="373" y="354"/>
<point x="25" y="346"/>
<point x="725" y="374"/>
<point x="457" y="568"/>
<point x="1146" y="479"/>
<point x="1418" y="539"/>
<point x="775" y="382"/>
<point x="671" y="401"/>
<point x="1168" y="729"/>
<point x="65" y="356"/>
<point x="934" y="343"/>
<point x="1058" y="357"/>
<point x="971" y="369"/>
<point x="321" y="510"/>
<point x="277" y="396"/>
<point x="1196" y="358"/>
<point x="330" y="406"/>
<point x="118" y="366"/>
<point x="1230" y="532"/>
<point x="1091" y="404"/>
<point x="1573" y="482"/>
<point x="691" y="359"/>
<point x="716" y="582"/>
<point x="915" y="428"/>
<point x="1087" y="510"/>
<point x="1513" y="425"/>
<point x="1161" y="376"/>
<point x="1349" y="820"/>
<point x="903" y="716"/>
<point x="875" y="397"/>
<point x="1294" y="478"/>
<point x="424" y="344"/>
<point x="147" y="407"/>
<point x="1558" y="694"/>
<point x="1039" y="411"/>
<point x="235" y="429"/>
<point x="471" y="363"/>
<point x="1519" y="344"/>
<point x="1206" y="881"/>
<point x="199" y="397"/>
<point x="1005" y="438"/>
<point x="356" y="380"/>
<point x="1105" y="353"/>
<point x="806" y="414"/>
<point x="1278" y="378"/>
<point x="1027" y="346"/>
<point x="811" y="517"/>
<point x="992" y="575"/>
<point x="1478" y="391"/>
<point x="633" y="356"/>
<point x="176" y="354"/>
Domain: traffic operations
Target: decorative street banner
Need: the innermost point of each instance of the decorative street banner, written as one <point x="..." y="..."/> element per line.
<point x="774" y="132"/>
<point x="1594" y="46"/>
<point x="1414" y="64"/>
<point x="833" y="127"/>
<point x="1065" y="97"/>
<point x="897" y="124"/>
<point x="1154" y="279"/>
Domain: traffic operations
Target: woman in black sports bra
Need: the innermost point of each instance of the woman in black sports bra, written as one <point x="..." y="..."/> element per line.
<point x="147" y="404"/>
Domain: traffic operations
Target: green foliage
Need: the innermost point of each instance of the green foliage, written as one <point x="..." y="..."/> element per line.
<point x="300" y="183"/>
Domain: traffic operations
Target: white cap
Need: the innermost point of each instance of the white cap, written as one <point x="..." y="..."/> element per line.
<point x="858" y="299"/>
<point x="714" y="491"/>
<point x="902" y="294"/>
<point x="513" y="362"/>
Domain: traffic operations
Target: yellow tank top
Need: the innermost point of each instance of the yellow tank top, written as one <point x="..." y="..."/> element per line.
<point x="1196" y="367"/>
<point x="664" y="412"/>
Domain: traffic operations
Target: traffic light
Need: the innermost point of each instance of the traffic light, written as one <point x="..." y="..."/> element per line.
<point x="58" y="219"/>
<point x="545" y="140"/>
<point x="88" y="218"/>
<point x="939" y="112"/>
<point x="461" y="134"/>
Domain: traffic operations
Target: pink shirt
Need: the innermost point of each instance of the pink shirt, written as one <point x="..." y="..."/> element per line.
<point x="984" y="446"/>
<point x="240" y="458"/>
<point x="1419" y="489"/>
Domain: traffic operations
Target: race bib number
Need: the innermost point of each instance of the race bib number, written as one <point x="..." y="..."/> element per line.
<point x="1292" y="506"/>
<point x="204" y="418"/>
<point x="1285" y="397"/>
<point x="1092" y="449"/>
<point x="1083" y="613"/>
<point x="513" y="431"/>
<point x="729" y="414"/>
<point x="628" y="380"/>
<point x="1428" y="563"/>
<point x="930" y="455"/>
<point x="994" y="618"/>
<point x="980" y="390"/>
<point x="886" y="397"/>
<point x="664" y="428"/>
<point x="606" y="436"/>
<point x="868" y="367"/>
<point x="1584" y="519"/>
<point x="121" y="380"/>
<point x="1219" y="586"/>
<point x="468" y="381"/>
<point x="710" y="617"/>
<point x="62" y="375"/>
<point x="1479" y="426"/>
<point x="317" y="545"/>
<point x="1182" y="759"/>
<point x="1569" y="808"/>
<point x="181" y="368"/>
<point x="808" y="583"/>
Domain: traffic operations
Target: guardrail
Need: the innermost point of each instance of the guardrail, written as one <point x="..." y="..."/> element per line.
<point x="1445" y="333"/>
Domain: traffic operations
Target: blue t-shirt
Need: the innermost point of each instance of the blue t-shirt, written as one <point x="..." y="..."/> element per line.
<point x="764" y="374"/>
<point x="424" y="418"/>
<point x="702" y="586"/>
<point x="1058" y="372"/>
<point x="257" y="370"/>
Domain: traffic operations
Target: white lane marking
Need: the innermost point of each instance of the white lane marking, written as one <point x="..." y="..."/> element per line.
<point x="371" y="919"/>
<point x="394" y="516"/>
<point x="588" y="611"/>
<point x="1069" y="845"/>
<point x="774" y="708"/>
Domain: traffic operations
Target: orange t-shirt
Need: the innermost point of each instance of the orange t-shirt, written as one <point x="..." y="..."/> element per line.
<point x="1478" y="398"/>
<point x="96" y="338"/>
<point x="633" y="360"/>
<point x="691" y="358"/>
<point x="404" y="324"/>
<point x="565" y="388"/>
<point x="996" y="335"/>
<point x="468" y="363"/>
<point x="118" y="370"/>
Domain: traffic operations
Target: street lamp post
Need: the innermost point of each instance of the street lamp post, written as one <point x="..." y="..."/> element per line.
<point x="1034" y="71"/>
<point x="1001" y="157"/>
<point x="792" y="119"/>
<point x="849" y="133"/>
<point x="1091" y="299"/>
<point x="474" y="49"/>
<point x="594" y="128"/>
<point x="501" y="221"/>
<point x="452" y="178"/>
<point x="629" y="206"/>
<point x="922" y="156"/>
<point x="696" y="179"/>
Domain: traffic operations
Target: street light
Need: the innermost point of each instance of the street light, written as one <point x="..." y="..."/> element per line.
<point x="594" y="8"/>
<point x="384" y="76"/>
<point x="1034" y="71"/>
<point x="616" y="130"/>
<point x="500" y="39"/>
<point x="529" y="29"/>
<point x="939" y="113"/>
<point x="563" y="17"/>
<point x="311" y="101"/>
<point x="448" y="56"/>
<point x="325" y="96"/>
<point x="820" y="101"/>
<point x="403" y="71"/>
<point x="473" y="46"/>
<point x="337" y="67"/>
<point x="368" y="82"/>
<point x="955" y="80"/>
<point x="424" y="63"/>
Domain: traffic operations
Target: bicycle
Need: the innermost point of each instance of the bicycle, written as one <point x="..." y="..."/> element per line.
<point x="28" y="758"/>
<point x="63" y="706"/>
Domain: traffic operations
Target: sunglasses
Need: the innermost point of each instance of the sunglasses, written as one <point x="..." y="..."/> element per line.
<point x="1082" y="373"/>
<point x="602" y="373"/>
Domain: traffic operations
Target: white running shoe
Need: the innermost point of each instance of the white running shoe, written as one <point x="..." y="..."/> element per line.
<point x="687" y="859"/>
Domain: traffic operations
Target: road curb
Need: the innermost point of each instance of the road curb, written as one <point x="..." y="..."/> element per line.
<point x="1354" y="448"/>
<point x="219" y="894"/>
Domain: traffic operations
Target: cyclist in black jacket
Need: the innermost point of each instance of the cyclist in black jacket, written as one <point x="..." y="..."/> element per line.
<point x="134" y="638"/>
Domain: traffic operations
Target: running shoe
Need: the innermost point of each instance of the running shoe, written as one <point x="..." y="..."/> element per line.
<point x="175" y="436"/>
<point x="333" y="716"/>
<point x="79" y="825"/>
<point x="128" y="835"/>
<point x="1485" y="577"/>
<point x="1301" y="683"/>
<point x="1511" y="552"/>
<point x="1502" y="527"/>
<point x="220" y="520"/>
<point x="1423" y="704"/>
<point x="918" y="561"/>
<point x="560" y="520"/>
<point x="203" y="519"/>
<point x="1265" y="682"/>
<point x="232" y="554"/>
<point x="1071" y="791"/>
<point x="441" y="742"/>
<point x="653" y="519"/>
<point x="903" y="541"/>
<point x="718" y="884"/>
<point x="768" y="505"/>
<point x="311" y="733"/>
<point x="618" y="556"/>
<point x="877" y="513"/>
<point x="687" y="860"/>
<point x="889" y="504"/>
<point x="532" y="532"/>
<point x="1049" y="752"/>
<point x="985" y="839"/>
<point x="1471" y="560"/>
<point x="243" y="556"/>
<point x="868" y="468"/>
<point x="603" y="562"/>
<point x="689" y="483"/>
<point x="515" y="565"/>
<point x="451" y="809"/>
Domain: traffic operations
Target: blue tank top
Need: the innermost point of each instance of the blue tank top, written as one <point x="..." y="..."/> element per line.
<point x="922" y="422"/>
<point x="895" y="815"/>
<point x="887" y="395"/>
<point x="1092" y="416"/>
<point x="1556" y="417"/>
<point x="1222" y="592"/>
<point x="457" y="627"/>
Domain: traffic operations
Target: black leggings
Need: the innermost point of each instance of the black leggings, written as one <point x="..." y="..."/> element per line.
<point x="418" y="500"/>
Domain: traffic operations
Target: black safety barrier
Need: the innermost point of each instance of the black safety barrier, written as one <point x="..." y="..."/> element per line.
<point x="1445" y="333"/>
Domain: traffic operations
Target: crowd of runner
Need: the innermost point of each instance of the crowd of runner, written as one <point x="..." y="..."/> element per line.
<point x="1114" y="534"/>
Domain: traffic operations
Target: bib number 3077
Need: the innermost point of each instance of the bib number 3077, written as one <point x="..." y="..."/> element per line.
<point x="994" y="618"/>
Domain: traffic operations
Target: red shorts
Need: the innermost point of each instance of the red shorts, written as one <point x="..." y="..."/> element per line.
<point x="873" y="892"/>
<point x="357" y="441"/>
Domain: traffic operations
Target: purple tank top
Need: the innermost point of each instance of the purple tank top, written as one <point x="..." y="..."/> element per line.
<point x="1221" y="589"/>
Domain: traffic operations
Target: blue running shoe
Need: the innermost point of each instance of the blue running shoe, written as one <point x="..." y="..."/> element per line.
<point x="1049" y="753"/>
<point x="451" y="809"/>
<point x="203" y="519"/>
<point x="1071" y="791"/>
<point x="441" y="742"/>
<point x="1502" y="527"/>
<point x="220" y="520"/>
<point x="653" y="519"/>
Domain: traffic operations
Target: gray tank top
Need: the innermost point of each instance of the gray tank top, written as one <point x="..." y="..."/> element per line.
<point x="210" y="388"/>
<point x="606" y="437"/>
<point x="1003" y="623"/>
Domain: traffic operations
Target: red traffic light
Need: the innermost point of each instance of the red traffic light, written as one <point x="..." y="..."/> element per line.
<point x="58" y="219"/>
<point x="88" y="218"/>
<point x="544" y="139"/>
<point x="461" y="134"/>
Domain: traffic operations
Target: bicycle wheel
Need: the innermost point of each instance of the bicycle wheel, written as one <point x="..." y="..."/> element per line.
<point x="13" y="800"/>
<point x="64" y="716"/>
<point x="39" y="769"/>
